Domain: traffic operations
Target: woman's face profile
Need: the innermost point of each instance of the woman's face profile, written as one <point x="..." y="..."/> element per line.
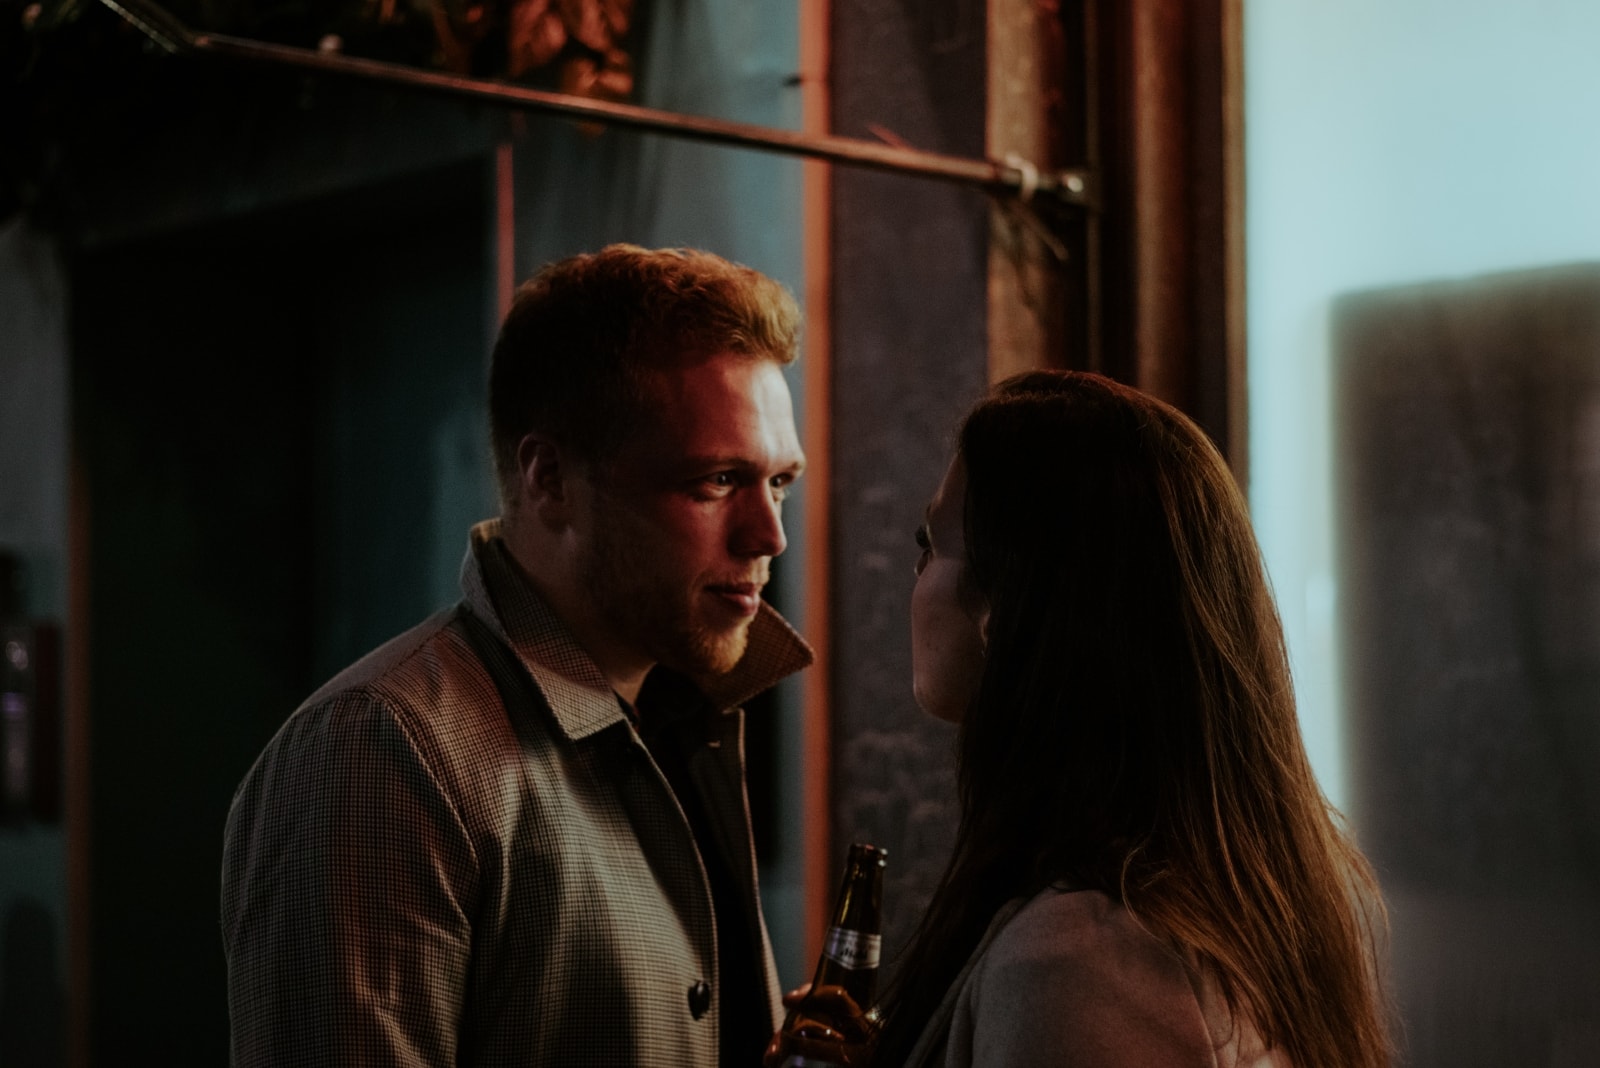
<point x="946" y="622"/>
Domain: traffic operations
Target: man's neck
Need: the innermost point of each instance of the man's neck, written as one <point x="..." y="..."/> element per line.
<point x="551" y="575"/>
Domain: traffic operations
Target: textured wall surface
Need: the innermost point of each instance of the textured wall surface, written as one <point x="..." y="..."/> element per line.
<point x="1468" y="432"/>
<point x="909" y="357"/>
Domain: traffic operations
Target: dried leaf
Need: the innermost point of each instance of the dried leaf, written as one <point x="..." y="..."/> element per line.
<point x="587" y="24"/>
<point x="618" y="16"/>
<point x="535" y="37"/>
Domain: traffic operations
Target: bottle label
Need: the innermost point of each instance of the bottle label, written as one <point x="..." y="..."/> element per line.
<point x="852" y="949"/>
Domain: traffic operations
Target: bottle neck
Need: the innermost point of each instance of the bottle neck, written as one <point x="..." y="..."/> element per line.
<point x="851" y="947"/>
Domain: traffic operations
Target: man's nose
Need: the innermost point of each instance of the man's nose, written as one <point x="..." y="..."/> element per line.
<point x="760" y="524"/>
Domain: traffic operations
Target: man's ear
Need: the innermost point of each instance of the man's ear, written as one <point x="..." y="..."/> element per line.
<point x="544" y="475"/>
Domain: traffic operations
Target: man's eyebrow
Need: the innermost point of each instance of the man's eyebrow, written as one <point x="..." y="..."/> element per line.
<point x="714" y="462"/>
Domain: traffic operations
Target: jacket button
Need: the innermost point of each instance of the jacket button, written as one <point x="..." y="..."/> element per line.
<point x="699" y="998"/>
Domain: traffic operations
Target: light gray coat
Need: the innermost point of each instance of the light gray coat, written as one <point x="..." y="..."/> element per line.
<point x="1069" y="979"/>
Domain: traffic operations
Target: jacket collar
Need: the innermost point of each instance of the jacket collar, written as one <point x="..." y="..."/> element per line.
<point x="579" y="696"/>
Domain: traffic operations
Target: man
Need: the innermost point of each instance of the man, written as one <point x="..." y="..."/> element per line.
<point x="517" y="834"/>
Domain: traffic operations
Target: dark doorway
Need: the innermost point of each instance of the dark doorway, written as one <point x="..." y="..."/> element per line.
<point x="276" y="424"/>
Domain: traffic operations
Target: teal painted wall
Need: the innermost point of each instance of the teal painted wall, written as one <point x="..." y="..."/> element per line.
<point x="1389" y="143"/>
<point x="1422" y="235"/>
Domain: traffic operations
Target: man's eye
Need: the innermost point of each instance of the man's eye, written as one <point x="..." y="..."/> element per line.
<point x="714" y="486"/>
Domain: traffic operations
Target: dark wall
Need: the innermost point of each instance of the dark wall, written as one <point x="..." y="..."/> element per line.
<point x="33" y="526"/>
<point x="909" y="356"/>
<point x="1468" y="444"/>
<point x="270" y="419"/>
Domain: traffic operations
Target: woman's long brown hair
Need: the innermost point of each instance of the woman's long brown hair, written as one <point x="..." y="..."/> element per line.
<point x="1135" y="732"/>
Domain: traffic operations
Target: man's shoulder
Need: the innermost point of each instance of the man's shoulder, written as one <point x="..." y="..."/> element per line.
<point x="436" y="683"/>
<point x="432" y="646"/>
<point x="430" y="697"/>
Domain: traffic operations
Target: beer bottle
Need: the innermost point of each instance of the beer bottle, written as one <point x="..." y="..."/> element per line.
<point x="834" y="1026"/>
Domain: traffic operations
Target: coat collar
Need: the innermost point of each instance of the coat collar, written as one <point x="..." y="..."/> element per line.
<point x="578" y="694"/>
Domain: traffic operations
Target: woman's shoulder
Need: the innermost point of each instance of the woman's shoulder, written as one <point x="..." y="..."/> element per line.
<point x="1072" y="970"/>
<point x="1082" y="924"/>
<point x="1077" y="969"/>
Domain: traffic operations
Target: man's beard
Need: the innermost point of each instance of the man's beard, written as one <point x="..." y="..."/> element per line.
<point x="656" y="613"/>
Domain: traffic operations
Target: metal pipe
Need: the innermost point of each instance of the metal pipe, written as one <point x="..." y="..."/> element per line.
<point x="1013" y="178"/>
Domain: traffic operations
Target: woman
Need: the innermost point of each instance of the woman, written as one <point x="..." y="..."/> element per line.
<point x="1145" y="871"/>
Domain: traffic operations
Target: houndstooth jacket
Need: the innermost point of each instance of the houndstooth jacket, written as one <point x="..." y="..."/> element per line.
<point x="459" y="852"/>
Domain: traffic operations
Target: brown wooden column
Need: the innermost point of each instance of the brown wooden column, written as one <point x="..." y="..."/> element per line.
<point x="1150" y="287"/>
<point x="818" y="861"/>
<point x="1031" y="292"/>
<point x="1173" y="233"/>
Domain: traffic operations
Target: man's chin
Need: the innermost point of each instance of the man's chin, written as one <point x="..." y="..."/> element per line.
<point x="717" y="652"/>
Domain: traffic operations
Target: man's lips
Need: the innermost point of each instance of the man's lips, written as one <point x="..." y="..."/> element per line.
<point x="742" y="597"/>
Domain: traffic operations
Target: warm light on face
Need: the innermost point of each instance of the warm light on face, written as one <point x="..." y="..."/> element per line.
<point x="685" y="521"/>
